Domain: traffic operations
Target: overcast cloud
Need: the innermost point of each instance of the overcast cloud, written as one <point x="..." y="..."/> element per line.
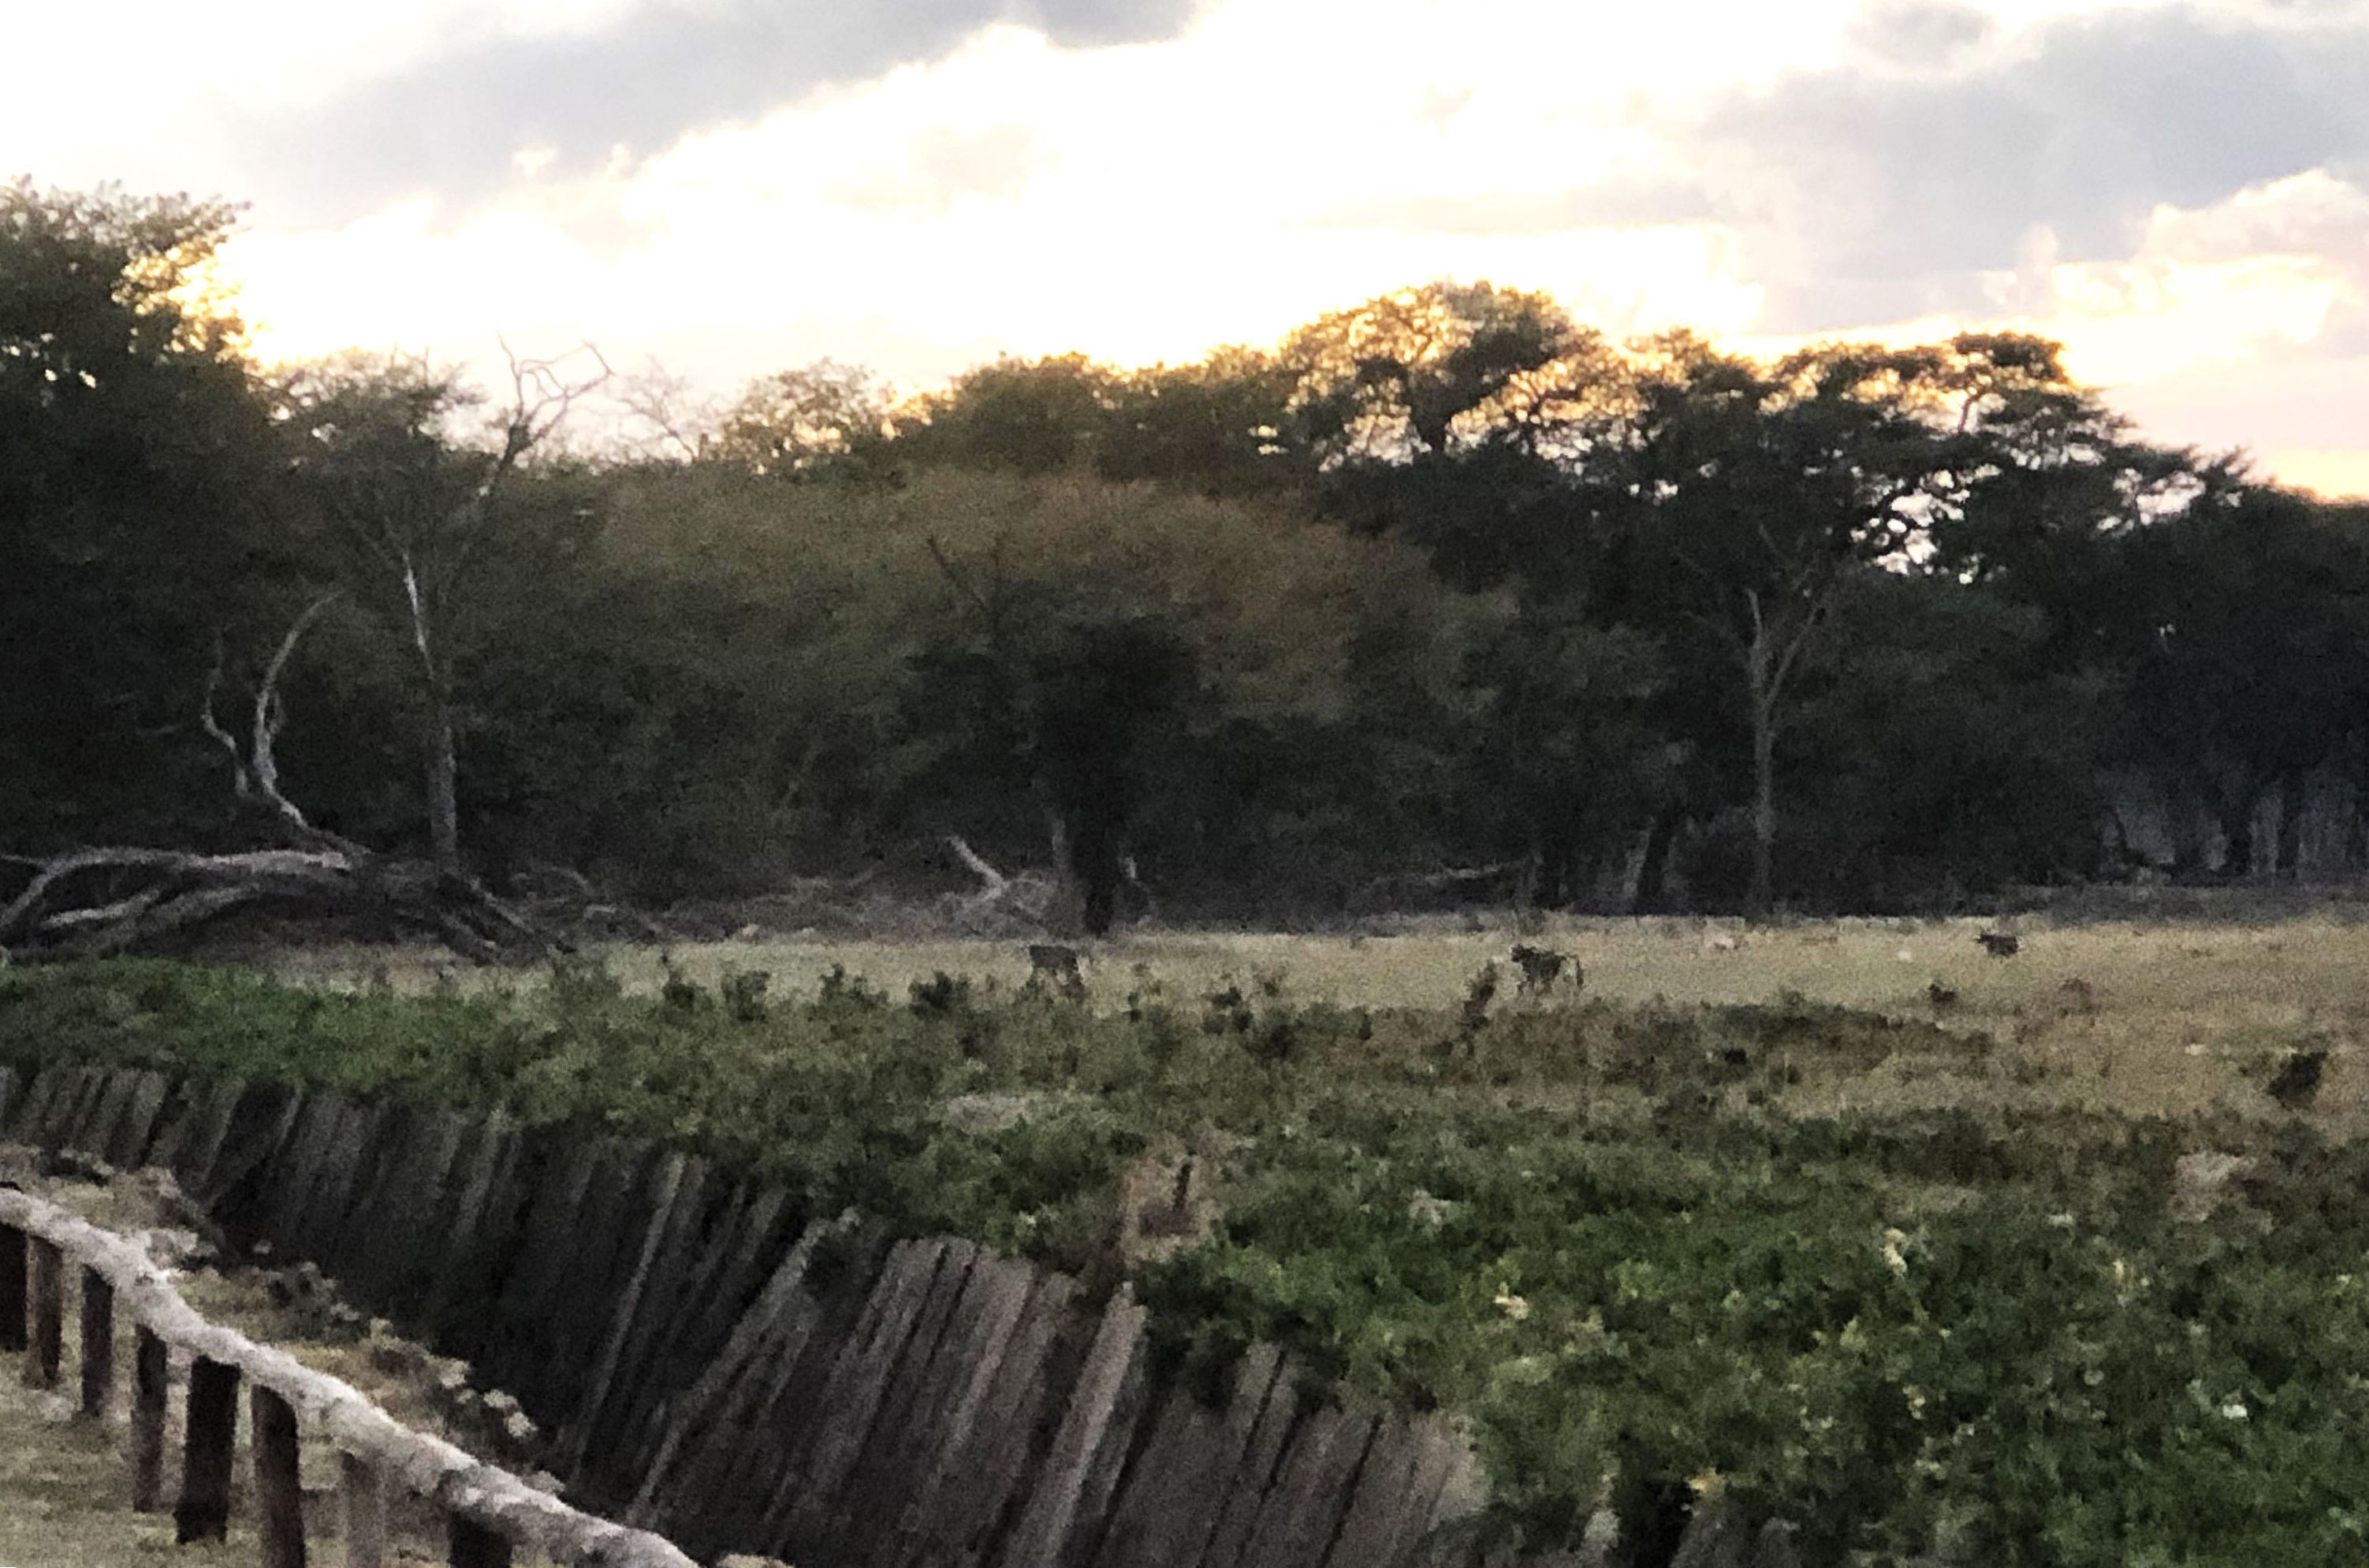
<point x="452" y="124"/>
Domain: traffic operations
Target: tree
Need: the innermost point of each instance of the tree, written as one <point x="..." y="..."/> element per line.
<point x="2249" y="651"/>
<point x="1565" y="754"/>
<point x="1220" y="426"/>
<point x="138" y="512"/>
<point x="1025" y="417"/>
<point x="824" y="421"/>
<point x="412" y="510"/>
<point x="1425" y="370"/>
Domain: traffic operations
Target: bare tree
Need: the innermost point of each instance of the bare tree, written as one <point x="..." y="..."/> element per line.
<point x="419" y="512"/>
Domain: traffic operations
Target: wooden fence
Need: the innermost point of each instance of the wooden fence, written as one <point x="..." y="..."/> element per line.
<point x="487" y="1511"/>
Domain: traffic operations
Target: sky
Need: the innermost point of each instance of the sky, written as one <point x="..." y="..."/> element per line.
<point x="2179" y="192"/>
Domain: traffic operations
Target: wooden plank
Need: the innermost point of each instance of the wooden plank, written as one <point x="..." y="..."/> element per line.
<point x="127" y="1146"/>
<point x="671" y="1331"/>
<point x="278" y="1489"/>
<point x="881" y="1478"/>
<point x="190" y="1145"/>
<point x="47" y="1085"/>
<point x="991" y="1485"/>
<point x="94" y="1130"/>
<point x="1398" y="1494"/>
<point x="1302" y="1510"/>
<point x="805" y="1508"/>
<point x="676" y="1183"/>
<point x="98" y="1344"/>
<point x="475" y="1546"/>
<point x="46" y="1302"/>
<point x="1246" y="1489"/>
<point x="720" y="1286"/>
<point x="722" y="1434"/>
<point x="150" y="1375"/>
<point x="204" y="1512"/>
<point x="1071" y="1495"/>
<point x="14" y="1317"/>
<point x="485" y="1249"/>
<point x="1172" y="1503"/>
<point x="1000" y="1289"/>
<point x="364" y="1492"/>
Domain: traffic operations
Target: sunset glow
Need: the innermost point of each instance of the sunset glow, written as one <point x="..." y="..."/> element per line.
<point x="1144" y="180"/>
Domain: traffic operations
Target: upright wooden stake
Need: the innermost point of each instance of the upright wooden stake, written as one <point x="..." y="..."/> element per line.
<point x="98" y="1344"/>
<point x="149" y="1374"/>
<point x="47" y="1305"/>
<point x="473" y="1546"/>
<point x="12" y="1288"/>
<point x="365" y="1512"/>
<point x="207" y="1453"/>
<point x="279" y="1492"/>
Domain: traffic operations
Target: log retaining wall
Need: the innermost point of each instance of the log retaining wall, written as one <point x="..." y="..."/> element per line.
<point x="738" y="1377"/>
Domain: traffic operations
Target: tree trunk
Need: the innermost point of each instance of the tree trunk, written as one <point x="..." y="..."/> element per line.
<point x="1067" y="915"/>
<point x="1762" y="895"/>
<point x="443" y="786"/>
<point x="1653" y="868"/>
<point x="2291" y="802"/>
<point x="2356" y="828"/>
<point x="2238" y="832"/>
<point x="2185" y="821"/>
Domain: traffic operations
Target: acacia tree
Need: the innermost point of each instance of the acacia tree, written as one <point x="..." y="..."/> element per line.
<point x="1750" y="495"/>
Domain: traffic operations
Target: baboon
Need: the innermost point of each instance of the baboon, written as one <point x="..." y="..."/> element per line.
<point x="1050" y="964"/>
<point x="1940" y="996"/>
<point x="1541" y="968"/>
<point x="2297" y="1079"/>
<point x="679" y="991"/>
<point x="1477" y="996"/>
<point x="2000" y="943"/>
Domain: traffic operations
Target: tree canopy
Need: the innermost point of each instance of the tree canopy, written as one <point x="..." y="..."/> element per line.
<point x="1443" y="595"/>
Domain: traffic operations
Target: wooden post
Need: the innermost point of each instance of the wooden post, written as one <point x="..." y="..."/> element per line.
<point x="279" y="1492"/>
<point x="48" y="1307"/>
<point x="12" y="1288"/>
<point x="98" y="1344"/>
<point x="475" y="1546"/>
<point x="207" y="1453"/>
<point x="149" y="1374"/>
<point x="365" y="1512"/>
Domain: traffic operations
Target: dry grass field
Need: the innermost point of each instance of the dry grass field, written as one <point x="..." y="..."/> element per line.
<point x="2178" y="1018"/>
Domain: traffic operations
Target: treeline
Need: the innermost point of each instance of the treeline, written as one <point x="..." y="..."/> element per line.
<point x="1446" y="596"/>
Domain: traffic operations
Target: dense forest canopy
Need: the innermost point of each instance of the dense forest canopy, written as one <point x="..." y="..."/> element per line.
<point x="1446" y="596"/>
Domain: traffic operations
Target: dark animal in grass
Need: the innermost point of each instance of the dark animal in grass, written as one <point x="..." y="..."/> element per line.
<point x="1052" y="964"/>
<point x="2000" y="943"/>
<point x="1541" y="968"/>
<point x="1477" y="996"/>
<point x="1940" y="996"/>
<point x="2297" y="1079"/>
<point x="678" y="992"/>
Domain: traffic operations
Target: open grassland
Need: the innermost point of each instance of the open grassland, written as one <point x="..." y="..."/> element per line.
<point x="2042" y="1276"/>
<point x="2167" y="1019"/>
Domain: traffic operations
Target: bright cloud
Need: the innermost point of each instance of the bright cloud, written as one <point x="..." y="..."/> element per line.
<point x="917" y="185"/>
